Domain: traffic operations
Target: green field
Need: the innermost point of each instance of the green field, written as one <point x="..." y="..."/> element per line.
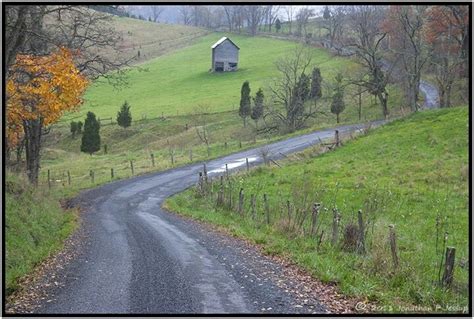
<point x="179" y="86"/>
<point x="409" y="173"/>
<point x="178" y="82"/>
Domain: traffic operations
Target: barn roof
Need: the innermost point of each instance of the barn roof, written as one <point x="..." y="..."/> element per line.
<point x="215" y="45"/>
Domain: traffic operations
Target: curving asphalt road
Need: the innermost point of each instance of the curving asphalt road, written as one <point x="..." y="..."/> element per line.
<point x="140" y="259"/>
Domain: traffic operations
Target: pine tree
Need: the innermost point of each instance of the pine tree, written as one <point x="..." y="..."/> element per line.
<point x="257" y="111"/>
<point x="327" y="13"/>
<point x="278" y="25"/>
<point x="73" y="128"/>
<point x="124" y="117"/>
<point x="337" y="105"/>
<point x="79" y="127"/>
<point x="91" y="138"/>
<point x="245" y="106"/>
<point x="316" y="80"/>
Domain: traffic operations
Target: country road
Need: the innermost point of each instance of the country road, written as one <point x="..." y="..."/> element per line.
<point x="142" y="259"/>
<point x="139" y="258"/>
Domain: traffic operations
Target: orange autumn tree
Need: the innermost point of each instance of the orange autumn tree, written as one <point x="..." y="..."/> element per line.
<point x="40" y="89"/>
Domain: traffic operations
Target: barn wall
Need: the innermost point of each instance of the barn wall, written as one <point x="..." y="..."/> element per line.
<point x="226" y="52"/>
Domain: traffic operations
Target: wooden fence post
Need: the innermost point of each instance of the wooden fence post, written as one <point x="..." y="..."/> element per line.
<point x="131" y="167"/>
<point x="152" y="159"/>
<point x="241" y="201"/>
<point x="252" y="204"/>
<point x="393" y="245"/>
<point x="68" y="178"/>
<point x="314" y="217"/>
<point x="267" y="209"/>
<point x="191" y="155"/>
<point x="361" y="236"/>
<point x="105" y="148"/>
<point x="335" y="226"/>
<point x="172" y="157"/>
<point x="49" y="179"/>
<point x="205" y="173"/>
<point x="247" y="163"/>
<point x="200" y="183"/>
<point x="91" y="173"/>
<point x="226" y="171"/>
<point x="230" y="204"/>
<point x="220" y="194"/>
<point x="448" y="274"/>
<point x="240" y="144"/>
<point x="337" y="138"/>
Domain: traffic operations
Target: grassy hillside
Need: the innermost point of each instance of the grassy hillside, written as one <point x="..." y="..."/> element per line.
<point x="153" y="39"/>
<point x="179" y="82"/>
<point x="179" y="86"/>
<point x="411" y="173"/>
<point x="36" y="227"/>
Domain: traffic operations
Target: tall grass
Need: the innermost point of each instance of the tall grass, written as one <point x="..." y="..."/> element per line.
<point x="36" y="227"/>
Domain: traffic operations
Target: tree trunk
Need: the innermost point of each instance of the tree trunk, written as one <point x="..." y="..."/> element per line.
<point x="337" y="118"/>
<point x="32" y="130"/>
<point x="383" y="98"/>
<point x="441" y="96"/>
<point x="360" y="103"/>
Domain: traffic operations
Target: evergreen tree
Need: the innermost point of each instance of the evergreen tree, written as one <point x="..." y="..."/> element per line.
<point x="245" y="106"/>
<point x="337" y="105"/>
<point x="91" y="138"/>
<point x="79" y="127"/>
<point x="327" y="13"/>
<point x="300" y="96"/>
<point x="316" y="80"/>
<point x="124" y="116"/>
<point x="73" y="128"/>
<point x="278" y="25"/>
<point x="257" y="111"/>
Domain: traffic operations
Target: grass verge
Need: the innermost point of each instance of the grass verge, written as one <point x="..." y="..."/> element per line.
<point x="36" y="227"/>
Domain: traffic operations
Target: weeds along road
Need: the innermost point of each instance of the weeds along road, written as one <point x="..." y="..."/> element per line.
<point x="142" y="259"/>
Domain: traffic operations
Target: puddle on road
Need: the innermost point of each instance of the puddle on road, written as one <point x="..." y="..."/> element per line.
<point x="234" y="164"/>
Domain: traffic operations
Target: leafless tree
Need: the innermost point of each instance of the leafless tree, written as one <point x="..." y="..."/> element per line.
<point x="254" y="15"/>
<point x="302" y="19"/>
<point x="39" y="30"/>
<point x="409" y="47"/>
<point x="289" y="93"/>
<point x="156" y="11"/>
<point x="202" y="128"/>
<point x="366" y="41"/>
<point x="234" y="17"/>
<point x="271" y="14"/>
<point x="185" y="13"/>
<point x="335" y="23"/>
<point x="289" y="10"/>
